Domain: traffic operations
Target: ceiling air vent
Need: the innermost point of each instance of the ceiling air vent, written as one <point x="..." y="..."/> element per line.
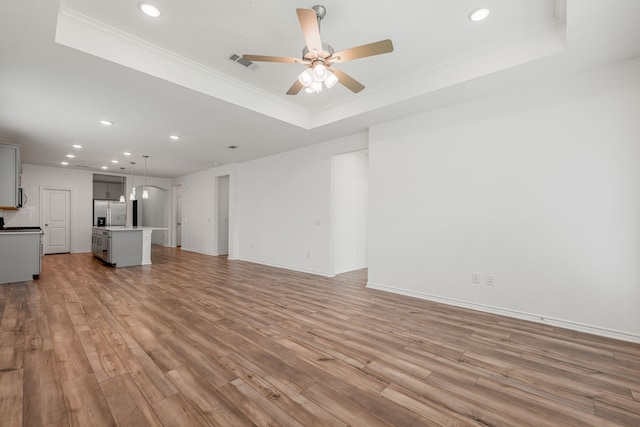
<point x="237" y="58"/>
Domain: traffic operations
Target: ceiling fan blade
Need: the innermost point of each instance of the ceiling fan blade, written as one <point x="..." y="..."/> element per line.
<point x="371" y="49"/>
<point x="264" y="58"/>
<point x="310" y="29"/>
<point x="352" y="84"/>
<point x="295" y="88"/>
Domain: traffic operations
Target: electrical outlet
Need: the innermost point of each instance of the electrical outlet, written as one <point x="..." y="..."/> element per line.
<point x="475" y="278"/>
<point x="491" y="279"/>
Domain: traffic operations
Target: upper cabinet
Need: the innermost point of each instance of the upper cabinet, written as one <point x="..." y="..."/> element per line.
<point x="9" y="176"/>
<point x="107" y="190"/>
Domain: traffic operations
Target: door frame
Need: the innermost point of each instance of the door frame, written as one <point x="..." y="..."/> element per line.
<point x="44" y="188"/>
<point x="177" y="188"/>
<point x="217" y="213"/>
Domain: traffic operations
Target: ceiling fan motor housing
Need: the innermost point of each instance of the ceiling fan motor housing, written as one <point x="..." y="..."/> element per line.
<point x="327" y="51"/>
<point x="321" y="11"/>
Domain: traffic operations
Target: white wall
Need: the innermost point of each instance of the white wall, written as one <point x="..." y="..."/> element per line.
<point x="152" y="212"/>
<point x="350" y="190"/>
<point x="279" y="207"/>
<point x="199" y="220"/>
<point x="80" y="183"/>
<point x="284" y="207"/>
<point x="539" y="187"/>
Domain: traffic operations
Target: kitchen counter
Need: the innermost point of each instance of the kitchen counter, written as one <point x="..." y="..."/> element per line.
<point x="129" y="228"/>
<point x="20" y="255"/>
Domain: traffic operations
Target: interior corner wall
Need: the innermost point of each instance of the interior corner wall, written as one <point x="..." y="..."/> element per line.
<point x="284" y="206"/>
<point x="538" y="187"/>
<point x="199" y="223"/>
<point x="350" y="189"/>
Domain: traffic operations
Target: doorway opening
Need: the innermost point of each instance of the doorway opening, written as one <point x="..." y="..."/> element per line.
<point x="350" y="185"/>
<point x="177" y="214"/>
<point x="222" y="184"/>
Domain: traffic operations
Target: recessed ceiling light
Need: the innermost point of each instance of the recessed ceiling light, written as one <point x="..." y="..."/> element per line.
<point x="114" y="161"/>
<point x="71" y="156"/>
<point x="174" y="137"/>
<point x="126" y="153"/>
<point x="479" y="14"/>
<point x="64" y="163"/>
<point x="78" y="146"/>
<point x="149" y="10"/>
<point x="104" y="167"/>
<point x="106" y="122"/>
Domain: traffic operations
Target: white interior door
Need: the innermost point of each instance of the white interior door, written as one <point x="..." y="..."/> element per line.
<point x="56" y="211"/>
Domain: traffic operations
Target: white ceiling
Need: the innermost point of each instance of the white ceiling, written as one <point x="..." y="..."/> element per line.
<point x="64" y="67"/>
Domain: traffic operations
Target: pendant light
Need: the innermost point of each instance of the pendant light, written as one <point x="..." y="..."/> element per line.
<point x="145" y="192"/>
<point x="132" y="195"/>
<point x="121" y="185"/>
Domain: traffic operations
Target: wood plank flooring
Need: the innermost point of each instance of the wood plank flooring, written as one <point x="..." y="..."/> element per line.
<point x="195" y="340"/>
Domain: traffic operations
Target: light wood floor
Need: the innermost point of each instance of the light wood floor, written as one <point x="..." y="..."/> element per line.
<point x="199" y="340"/>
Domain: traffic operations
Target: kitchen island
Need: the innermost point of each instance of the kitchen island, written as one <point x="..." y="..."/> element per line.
<point x="123" y="246"/>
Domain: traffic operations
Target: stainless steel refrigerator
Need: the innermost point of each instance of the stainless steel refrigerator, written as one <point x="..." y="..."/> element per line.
<point x="109" y="213"/>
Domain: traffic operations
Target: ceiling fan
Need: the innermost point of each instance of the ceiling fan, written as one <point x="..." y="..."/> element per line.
<point x="319" y="57"/>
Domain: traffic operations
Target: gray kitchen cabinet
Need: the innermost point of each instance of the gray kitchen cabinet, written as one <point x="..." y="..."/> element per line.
<point x="107" y="190"/>
<point x="99" y="190"/>
<point x="117" y="247"/>
<point x="20" y="255"/>
<point x="9" y="176"/>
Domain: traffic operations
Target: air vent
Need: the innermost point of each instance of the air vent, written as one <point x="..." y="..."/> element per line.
<point x="237" y="58"/>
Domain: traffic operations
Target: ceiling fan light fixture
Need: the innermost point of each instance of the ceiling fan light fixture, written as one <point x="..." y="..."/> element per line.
<point x="479" y="14"/>
<point x="316" y="86"/>
<point x="306" y="77"/>
<point x="319" y="71"/>
<point x="331" y="79"/>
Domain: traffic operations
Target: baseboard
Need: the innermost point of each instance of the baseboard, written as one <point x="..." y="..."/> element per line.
<point x="198" y="252"/>
<point x="349" y="270"/>
<point x="286" y="267"/>
<point x="537" y="318"/>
